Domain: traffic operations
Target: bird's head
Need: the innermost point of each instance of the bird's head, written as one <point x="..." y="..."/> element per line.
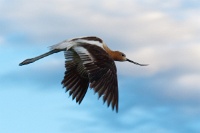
<point x="119" y="56"/>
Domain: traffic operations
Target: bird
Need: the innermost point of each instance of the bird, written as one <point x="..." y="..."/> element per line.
<point x="89" y="63"/>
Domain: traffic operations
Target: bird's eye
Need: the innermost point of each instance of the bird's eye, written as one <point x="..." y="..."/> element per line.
<point x="123" y="55"/>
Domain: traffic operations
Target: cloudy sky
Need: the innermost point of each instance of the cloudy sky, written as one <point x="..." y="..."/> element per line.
<point x="161" y="98"/>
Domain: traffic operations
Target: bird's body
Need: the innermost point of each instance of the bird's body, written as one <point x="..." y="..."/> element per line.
<point x="89" y="62"/>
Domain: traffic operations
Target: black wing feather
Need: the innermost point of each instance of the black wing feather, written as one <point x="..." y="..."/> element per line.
<point x="75" y="80"/>
<point x="102" y="72"/>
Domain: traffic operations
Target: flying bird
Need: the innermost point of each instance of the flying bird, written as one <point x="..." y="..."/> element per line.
<point x="89" y="63"/>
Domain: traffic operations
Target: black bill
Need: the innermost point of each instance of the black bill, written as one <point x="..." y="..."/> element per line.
<point x="137" y="63"/>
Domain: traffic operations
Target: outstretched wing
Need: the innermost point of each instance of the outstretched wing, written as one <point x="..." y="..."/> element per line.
<point x="75" y="80"/>
<point x="101" y="71"/>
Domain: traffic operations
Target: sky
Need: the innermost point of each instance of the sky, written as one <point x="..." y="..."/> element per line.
<point x="161" y="98"/>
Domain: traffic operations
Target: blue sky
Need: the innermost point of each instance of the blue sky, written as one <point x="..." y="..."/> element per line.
<point x="160" y="98"/>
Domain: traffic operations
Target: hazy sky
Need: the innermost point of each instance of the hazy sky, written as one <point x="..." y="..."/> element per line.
<point x="161" y="98"/>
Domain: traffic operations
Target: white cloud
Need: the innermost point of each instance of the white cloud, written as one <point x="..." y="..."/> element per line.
<point x="161" y="34"/>
<point x="163" y="58"/>
<point x="132" y="21"/>
<point x="190" y="81"/>
<point x="157" y="3"/>
<point x="148" y="32"/>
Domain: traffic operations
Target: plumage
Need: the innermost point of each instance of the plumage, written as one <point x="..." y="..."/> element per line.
<point x="89" y="63"/>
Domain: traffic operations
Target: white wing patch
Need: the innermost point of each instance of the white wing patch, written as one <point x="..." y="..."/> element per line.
<point x="82" y="52"/>
<point x="89" y="42"/>
<point x="63" y="45"/>
<point x="67" y="44"/>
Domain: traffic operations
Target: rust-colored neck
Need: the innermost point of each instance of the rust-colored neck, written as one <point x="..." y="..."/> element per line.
<point x="110" y="52"/>
<point x="115" y="55"/>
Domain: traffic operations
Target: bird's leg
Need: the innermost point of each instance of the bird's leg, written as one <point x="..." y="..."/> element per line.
<point x="31" y="60"/>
